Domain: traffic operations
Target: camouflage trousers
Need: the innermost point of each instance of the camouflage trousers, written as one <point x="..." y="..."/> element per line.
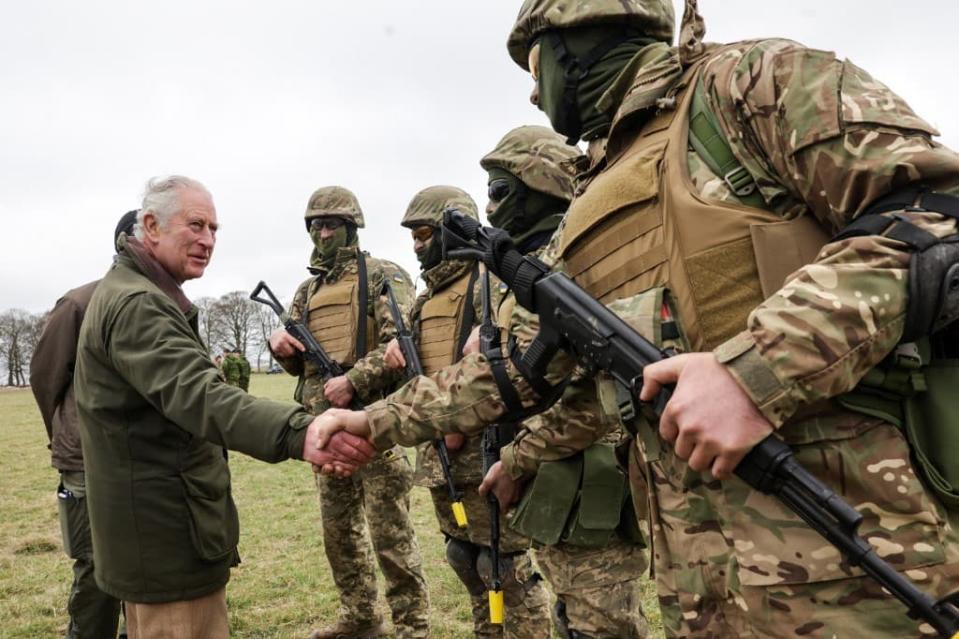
<point x="526" y="600"/>
<point x="598" y="589"/>
<point x="730" y="562"/>
<point x="374" y="505"/>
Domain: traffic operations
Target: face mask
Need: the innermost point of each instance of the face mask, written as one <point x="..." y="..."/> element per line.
<point x="508" y="193"/>
<point x="520" y="210"/>
<point x="431" y="253"/>
<point x="576" y="67"/>
<point x="326" y="249"/>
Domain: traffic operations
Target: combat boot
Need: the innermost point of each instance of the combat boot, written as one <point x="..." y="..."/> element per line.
<point x="348" y="629"/>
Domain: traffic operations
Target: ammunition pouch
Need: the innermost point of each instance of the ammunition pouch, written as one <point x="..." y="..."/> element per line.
<point x="915" y="389"/>
<point x="583" y="500"/>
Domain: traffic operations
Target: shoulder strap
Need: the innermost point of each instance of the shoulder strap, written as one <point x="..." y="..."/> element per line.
<point x="364" y="295"/>
<point x="706" y="137"/>
<point x="469" y="315"/>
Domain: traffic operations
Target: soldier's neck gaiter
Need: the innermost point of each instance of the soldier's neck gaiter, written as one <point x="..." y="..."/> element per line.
<point x="523" y="211"/>
<point x="571" y="81"/>
<point x="431" y="253"/>
<point x="324" y="250"/>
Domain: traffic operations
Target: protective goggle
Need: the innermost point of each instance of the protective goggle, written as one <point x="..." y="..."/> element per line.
<point x="498" y="190"/>
<point x="331" y="223"/>
<point x="422" y="234"/>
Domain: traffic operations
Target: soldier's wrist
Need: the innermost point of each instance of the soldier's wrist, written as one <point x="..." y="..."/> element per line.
<point x="514" y="465"/>
<point x="754" y="373"/>
<point x="382" y="424"/>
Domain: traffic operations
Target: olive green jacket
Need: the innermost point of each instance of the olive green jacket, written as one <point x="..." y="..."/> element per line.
<point x="155" y="420"/>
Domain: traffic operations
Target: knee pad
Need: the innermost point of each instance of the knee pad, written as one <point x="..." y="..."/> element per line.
<point x="513" y="588"/>
<point x="461" y="556"/>
<point x="560" y="620"/>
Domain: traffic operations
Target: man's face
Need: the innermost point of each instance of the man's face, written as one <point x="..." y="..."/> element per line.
<point x="533" y="62"/>
<point x="184" y="246"/>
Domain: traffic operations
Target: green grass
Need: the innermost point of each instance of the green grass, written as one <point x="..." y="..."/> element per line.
<point x="282" y="588"/>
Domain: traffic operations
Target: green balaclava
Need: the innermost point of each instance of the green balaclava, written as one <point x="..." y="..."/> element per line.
<point x="523" y="212"/>
<point x="325" y="250"/>
<point x="576" y="67"/>
<point x="431" y="253"/>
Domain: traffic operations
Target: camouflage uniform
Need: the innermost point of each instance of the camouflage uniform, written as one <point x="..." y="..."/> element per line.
<point x="232" y="370"/>
<point x="525" y="598"/>
<point x="598" y="589"/>
<point x="377" y="497"/>
<point x="245" y="372"/>
<point x="823" y="140"/>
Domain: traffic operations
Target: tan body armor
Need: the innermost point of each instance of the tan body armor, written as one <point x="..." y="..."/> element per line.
<point x="441" y="324"/>
<point x="333" y="318"/>
<point x="642" y="225"/>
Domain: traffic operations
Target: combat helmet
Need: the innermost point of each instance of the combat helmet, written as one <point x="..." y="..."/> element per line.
<point x="654" y="18"/>
<point x="334" y="201"/>
<point x="426" y="208"/>
<point x="539" y="157"/>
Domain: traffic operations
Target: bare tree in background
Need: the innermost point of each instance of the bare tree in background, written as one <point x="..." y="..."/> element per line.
<point x="266" y="323"/>
<point x="209" y="323"/>
<point x="19" y="332"/>
<point x="236" y="316"/>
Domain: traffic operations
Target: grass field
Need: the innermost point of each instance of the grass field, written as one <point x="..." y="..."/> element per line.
<point x="282" y="588"/>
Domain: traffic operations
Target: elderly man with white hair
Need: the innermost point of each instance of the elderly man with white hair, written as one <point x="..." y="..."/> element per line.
<point x="155" y="420"/>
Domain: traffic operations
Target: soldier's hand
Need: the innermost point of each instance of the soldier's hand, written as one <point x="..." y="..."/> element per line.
<point x="334" y="420"/>
<point x="394" y="355"/>
<point x="710" y="419"/>
<point x="284" y="344"/>
<point x="472" y="344"/>
<point x="342" y="454"/>
<point x="339" y="391"/>
<point x="454" y="441"/>
<point x="506" y="489"/>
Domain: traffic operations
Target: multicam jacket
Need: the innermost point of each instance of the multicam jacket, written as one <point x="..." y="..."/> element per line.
<point x="822" y="138"/>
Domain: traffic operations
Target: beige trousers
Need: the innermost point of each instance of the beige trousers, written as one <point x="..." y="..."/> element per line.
<point x="201" y="618"/>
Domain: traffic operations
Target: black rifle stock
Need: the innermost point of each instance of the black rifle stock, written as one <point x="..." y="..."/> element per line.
<point x="573" y="321"/>
<point x="414" y="368"/>
<point x="495" y="437"/>
<point x="314" y="353"/>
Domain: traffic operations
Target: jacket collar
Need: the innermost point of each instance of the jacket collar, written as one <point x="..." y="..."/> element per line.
<point x="445" y="272"/>
<point x="144" y="261"/>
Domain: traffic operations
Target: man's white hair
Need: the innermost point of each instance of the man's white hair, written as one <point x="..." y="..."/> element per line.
<point x="161" y="197"/>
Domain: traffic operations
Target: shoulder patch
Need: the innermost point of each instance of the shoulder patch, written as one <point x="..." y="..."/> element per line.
<point x="503" y="287"/>
<point x="398" y="278"/>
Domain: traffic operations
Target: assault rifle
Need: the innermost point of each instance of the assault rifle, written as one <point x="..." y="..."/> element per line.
<point x="314" y="353"/>
<point x="574" y="322"/>
<point x="494" y="438"/>
<point x="414" y="368"/>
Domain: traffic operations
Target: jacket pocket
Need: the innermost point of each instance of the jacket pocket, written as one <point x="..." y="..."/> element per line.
<point x="870" y="468"/>
<point x="214" y="523"/>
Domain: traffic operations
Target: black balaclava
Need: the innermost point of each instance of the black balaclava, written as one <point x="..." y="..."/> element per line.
<point x="431" y="253"/>
<point x="523" y="212"/>
<point x="576" y="67"/>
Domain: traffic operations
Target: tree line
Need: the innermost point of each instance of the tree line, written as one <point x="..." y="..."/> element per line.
<point x="231" y="320"/>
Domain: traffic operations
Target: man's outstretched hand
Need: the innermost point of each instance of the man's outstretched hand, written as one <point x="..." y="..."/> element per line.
<point x="341" y="453"/>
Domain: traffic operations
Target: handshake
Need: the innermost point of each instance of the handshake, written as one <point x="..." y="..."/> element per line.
<point x="337" y="442"/>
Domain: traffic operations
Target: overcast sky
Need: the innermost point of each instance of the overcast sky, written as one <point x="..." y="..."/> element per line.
<point x="266" y="101"/>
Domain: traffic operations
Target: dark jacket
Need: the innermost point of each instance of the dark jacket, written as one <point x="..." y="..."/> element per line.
<point x="155" y="419"/>
<point x="51" y="376"/>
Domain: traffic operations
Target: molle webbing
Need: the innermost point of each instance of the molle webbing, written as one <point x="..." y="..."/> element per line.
<point x="441" y="324"/>
<point x="641" y="224"/>
<point x="335" y="318"/>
